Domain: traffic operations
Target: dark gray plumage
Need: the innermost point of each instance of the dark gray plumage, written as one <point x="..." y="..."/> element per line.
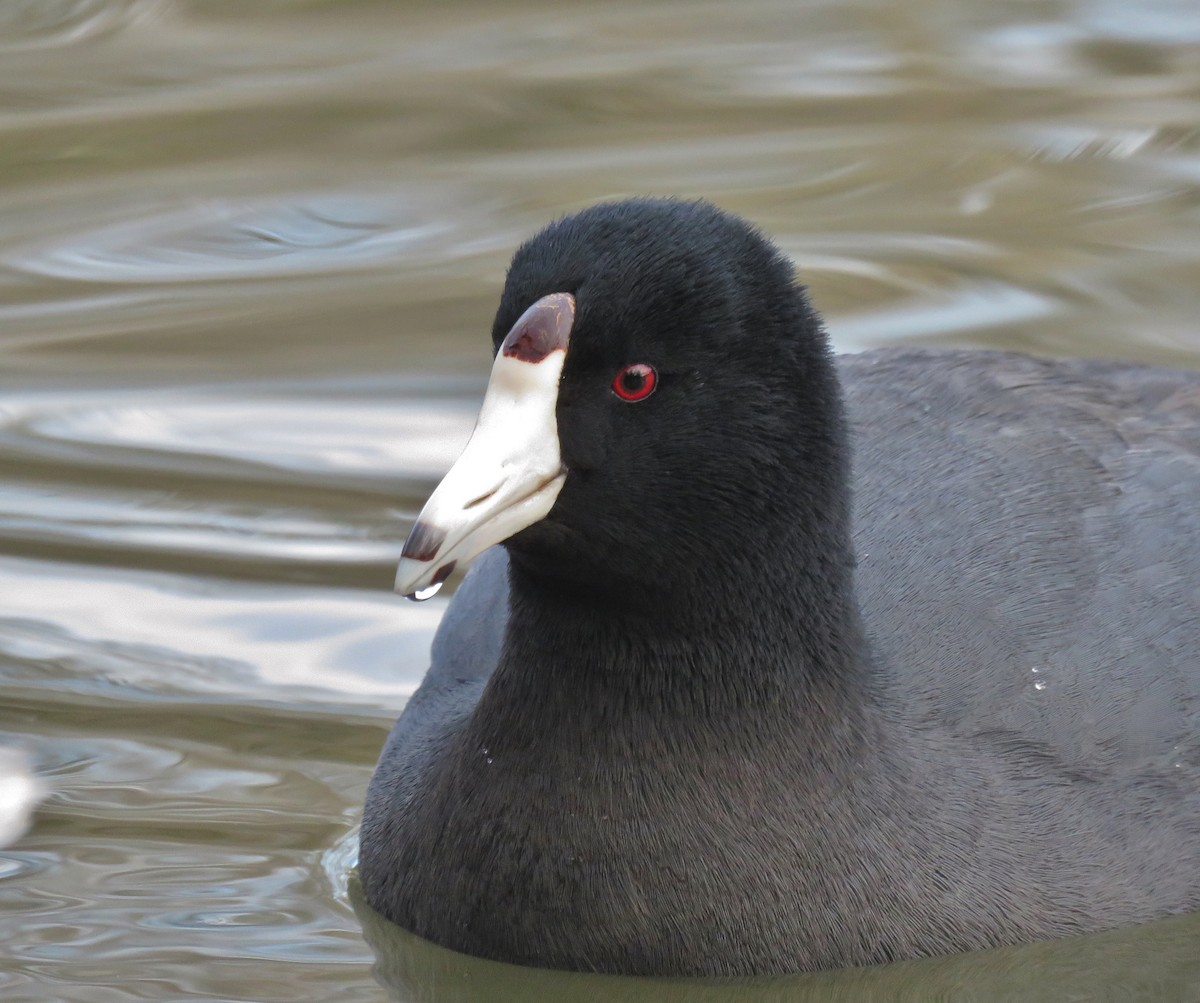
<point x="972" y="721"/>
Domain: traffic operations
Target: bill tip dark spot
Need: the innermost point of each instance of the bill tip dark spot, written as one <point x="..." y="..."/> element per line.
<point x="423" y="542"/>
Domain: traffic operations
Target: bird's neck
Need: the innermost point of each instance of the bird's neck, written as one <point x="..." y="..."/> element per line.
<point x="756" y="662"/>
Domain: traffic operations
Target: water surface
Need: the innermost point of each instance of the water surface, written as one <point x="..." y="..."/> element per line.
<point x="248" y="259"/>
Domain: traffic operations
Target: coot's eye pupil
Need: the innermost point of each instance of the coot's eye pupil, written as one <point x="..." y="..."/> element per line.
<point x="635" y="383"/>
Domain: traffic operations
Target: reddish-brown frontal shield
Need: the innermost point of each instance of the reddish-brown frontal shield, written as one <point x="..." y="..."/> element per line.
<point x="541" y="329"/>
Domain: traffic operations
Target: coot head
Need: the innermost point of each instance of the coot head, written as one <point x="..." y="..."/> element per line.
<point x="662" y="417"/>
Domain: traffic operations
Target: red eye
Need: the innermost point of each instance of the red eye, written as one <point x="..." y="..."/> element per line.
<point x="635" y="383"/>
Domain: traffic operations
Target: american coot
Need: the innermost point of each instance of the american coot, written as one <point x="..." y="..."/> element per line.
<point x="787" y="662"/>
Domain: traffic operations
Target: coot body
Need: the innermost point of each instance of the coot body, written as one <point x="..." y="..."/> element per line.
<point x="790" y="662"/>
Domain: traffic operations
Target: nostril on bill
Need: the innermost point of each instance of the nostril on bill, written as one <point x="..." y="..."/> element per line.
<point x="482" y="498"/>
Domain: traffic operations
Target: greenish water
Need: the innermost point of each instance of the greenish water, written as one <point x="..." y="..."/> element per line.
<point x="248" y="258"/>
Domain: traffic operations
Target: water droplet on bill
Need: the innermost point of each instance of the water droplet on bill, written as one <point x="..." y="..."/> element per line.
<point x="420" y="595"/>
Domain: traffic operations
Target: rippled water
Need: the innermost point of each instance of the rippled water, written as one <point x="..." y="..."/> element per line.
<point x="248" y="259"/>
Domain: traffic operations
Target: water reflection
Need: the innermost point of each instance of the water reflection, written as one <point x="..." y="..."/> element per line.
<point x="37" y="24"/>
<point x="80" y="629"/>
<point x="415" y="971"/>
<point x="221" y="240"/>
